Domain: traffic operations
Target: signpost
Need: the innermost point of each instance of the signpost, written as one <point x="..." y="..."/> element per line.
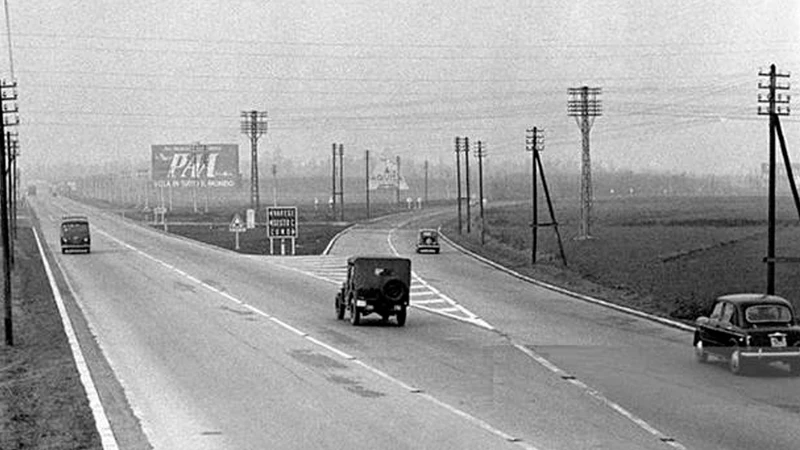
<point x="281" y="224"/>
<point x="251" y="218"/>
<point x="237" y="226"/>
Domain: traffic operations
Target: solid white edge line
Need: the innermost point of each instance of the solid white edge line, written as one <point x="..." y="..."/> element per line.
<point x="597" y="301"/>
<point x="107" y="439"/>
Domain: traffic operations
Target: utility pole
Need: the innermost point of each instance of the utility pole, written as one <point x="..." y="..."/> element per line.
<point x="254" y="125"/>
<point x="366" y="178"/>
<point x="340" y="192"/>
<point x="466" y="176"/>
<point x="341" y="182"/>
<point x="480" y="154"/>
<point x="774" y="110"/>
<point x="205" y="177"/>
<point x="274" y="184"/>
<point x="584" y="106"/>
<point x="6" y="96"/>
<point x="458" y="180"/>
<point x="426" y="183"/>
<point x="398" y="179"/>
<point x="333" y="180"/>
<point x="535" y="143"/>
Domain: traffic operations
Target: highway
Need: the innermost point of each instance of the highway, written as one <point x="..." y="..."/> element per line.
<point x="216" y="350"/>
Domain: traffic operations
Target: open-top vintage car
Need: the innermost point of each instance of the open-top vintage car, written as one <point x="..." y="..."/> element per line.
<point x="428" y="239"/>
<point x="375" y="285"/>
<point x="748" y="329"/>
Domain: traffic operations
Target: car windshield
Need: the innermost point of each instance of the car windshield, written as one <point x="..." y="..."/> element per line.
<point x="768" y="313"/>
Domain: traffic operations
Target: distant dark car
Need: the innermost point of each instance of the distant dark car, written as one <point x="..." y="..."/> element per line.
<point x="428" y="240"/>
<point x="748" y="329"/>
<point x="75" y="234"/>
<point x="375" y="285"/>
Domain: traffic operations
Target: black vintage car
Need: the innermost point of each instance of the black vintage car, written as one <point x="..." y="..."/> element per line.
<point x="748" y="329"/>
<point x="75" y="233"/>
<point x="428" y="239"/>
<point x="375" y="285"/>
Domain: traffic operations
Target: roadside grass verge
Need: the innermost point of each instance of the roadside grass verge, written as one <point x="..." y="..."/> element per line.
<point x="42" y="402"/>
<point x="666" y="256"/>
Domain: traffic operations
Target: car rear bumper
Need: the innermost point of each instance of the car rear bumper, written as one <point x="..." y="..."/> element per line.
<point x="762" y="353"/>
<point x="75" y="246"/>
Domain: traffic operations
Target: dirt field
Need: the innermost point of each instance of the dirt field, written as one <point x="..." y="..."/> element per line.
<point x="42" y="403"/>
<point x="669" y="256"/>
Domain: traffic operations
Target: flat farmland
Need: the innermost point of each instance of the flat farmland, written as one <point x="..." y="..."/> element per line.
<point x="670" y="256"/>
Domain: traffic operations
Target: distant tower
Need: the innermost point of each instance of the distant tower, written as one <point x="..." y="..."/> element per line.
<point x="584" y="106"/>
<point x="254" y="124"/>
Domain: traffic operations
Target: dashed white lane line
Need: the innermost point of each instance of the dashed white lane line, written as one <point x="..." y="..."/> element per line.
<point x="544" y="362"/>
<point x="107" y="439"/>
<point x="470" y="418"/>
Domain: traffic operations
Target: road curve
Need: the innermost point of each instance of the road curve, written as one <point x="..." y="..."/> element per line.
<point x="642" y="371"/>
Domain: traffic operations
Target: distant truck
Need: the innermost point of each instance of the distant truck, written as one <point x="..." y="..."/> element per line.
<point x="32" y="190"/>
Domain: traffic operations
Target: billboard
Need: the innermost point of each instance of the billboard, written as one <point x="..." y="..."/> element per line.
<point x="195" y="165"/>
<point x="387" y="176"/>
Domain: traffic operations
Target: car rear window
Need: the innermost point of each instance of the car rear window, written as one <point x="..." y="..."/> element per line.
<point x="75" y="227"/>
<point x="768" y="313"/>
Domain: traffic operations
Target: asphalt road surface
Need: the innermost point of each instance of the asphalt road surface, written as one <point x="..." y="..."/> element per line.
<point x="219" y="350"/>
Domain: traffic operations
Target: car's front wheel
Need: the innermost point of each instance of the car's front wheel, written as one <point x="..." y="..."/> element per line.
<point x="700" y="353"/>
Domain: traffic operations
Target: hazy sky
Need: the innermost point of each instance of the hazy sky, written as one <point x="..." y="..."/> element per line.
<point x="101" y="81"/>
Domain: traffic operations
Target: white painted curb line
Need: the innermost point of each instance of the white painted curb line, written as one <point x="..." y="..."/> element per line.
<point x="107" y="439"/>
<point x="586" y="298"/>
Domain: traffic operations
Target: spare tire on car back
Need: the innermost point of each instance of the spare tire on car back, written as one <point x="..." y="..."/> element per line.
<point x="394" y="290"/>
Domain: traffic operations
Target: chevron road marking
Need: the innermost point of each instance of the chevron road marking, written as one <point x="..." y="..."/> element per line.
<point x="423" y="296"/>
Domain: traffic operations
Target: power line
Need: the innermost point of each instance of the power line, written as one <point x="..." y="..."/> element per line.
<point x="545" y="45"/>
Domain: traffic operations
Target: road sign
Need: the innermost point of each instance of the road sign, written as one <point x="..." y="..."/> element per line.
<point x="282" y="222"/>
<point x="237" y="225"/>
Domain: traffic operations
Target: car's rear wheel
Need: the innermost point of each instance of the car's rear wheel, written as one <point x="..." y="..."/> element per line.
<point x="700" y="353"/>
<point x="339" y="307"/>
<point x="355" y="314"/>
<point x="401" y="316"/>
<point x="737" y="363"/>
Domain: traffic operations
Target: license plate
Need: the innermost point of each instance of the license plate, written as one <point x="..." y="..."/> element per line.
<point x="779" y="341"/>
